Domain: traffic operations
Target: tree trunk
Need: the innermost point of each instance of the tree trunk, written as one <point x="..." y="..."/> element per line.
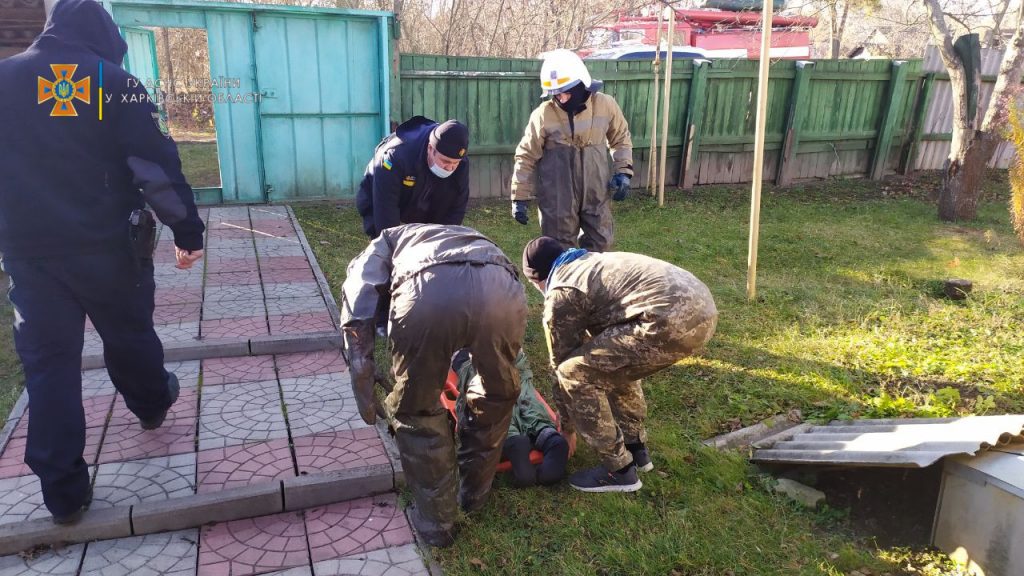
<point x="833" y="32"/>
<point x="168" y="65"/>
<point x="963" y="176"/>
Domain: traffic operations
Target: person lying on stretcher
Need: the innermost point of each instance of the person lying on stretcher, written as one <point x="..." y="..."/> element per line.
<point x="535" y="450"/>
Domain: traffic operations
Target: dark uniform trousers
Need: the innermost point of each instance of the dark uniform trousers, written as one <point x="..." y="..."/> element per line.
<point x="433" y="314"/>
<point x="52" y="297"/>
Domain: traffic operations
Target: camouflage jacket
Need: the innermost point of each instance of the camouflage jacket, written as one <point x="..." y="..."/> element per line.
<point x="600" y="290"/>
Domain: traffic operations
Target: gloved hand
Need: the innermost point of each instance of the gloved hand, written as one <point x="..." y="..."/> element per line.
<point x="519" y="211"/>
<point x="358" y="341"/>
<point x="620" y="184"/>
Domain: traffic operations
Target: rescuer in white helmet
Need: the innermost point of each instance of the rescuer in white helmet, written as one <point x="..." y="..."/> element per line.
<point x="563" y="159"/>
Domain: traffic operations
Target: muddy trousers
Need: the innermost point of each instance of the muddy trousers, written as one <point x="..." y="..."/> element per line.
<point x="433" y="314"/>
<point x="51" y="298"/>
<point x="599" y="389"/>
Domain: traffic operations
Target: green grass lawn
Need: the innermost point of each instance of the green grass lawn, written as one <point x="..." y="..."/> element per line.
<point x="200" y="163"/>
<point x="848" y="322"/>
<point x="11" y="378"/>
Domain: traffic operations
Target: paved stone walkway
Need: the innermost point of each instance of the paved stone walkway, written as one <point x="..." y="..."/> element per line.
<point x="246" y="421"/>
<point x="257" y="280"/>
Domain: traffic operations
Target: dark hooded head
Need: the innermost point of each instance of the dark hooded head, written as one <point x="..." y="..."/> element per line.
<point x="85" y="24"/>
<point x="539" y="256"/>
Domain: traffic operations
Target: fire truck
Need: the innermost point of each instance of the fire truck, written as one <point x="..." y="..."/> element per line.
<point x="702" y="34"/>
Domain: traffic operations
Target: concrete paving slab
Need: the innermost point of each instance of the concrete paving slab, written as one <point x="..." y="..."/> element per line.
<point x="188" y="295"/>
<point x="277" y="307"/>
<point x="186" y="408"/>
<point x="295" y="343"/>
<point x="339" y="450"/>
<point x="21" y="499"/>
<point x="178" y="333"/>
<point x="297" y="571"/>
<point x="63" y="561"/>
<point x="285" y="263"/>
<point x="232" y="293"/>
<point x="94" y="525"/>
<point x="220" y="506"/>
<point x="241" y="369"/>
<point x="127" y="483"/>
<point x="243" y="465"/>
<point x="97" y="409"/>
<point x="232" y="278"/>
<point x="291" y="290"/>
<point x="12" y="460"/>
<point x="325" y="488"/>
<point x="230" y="232"/>
<point x="178" y="351"/>
<point x="267" y="250"/>
<point x="175" y="313"/>
<point x="329" y="386"/>
<point x="241" y="413"/>
<point x="96" y="383"/>
<point x="268" y="212"/>
<point x="253" y="545"/>
<point x="181" y="280"/>
<point x="229" y="213"/>
<point x="262" y="240"/>
<point x="234" y="327"/>
<point x="241" y="252"/>
<point x="301" y="323"/>
<point x="130" y="442"/>
<point x="391" y="447"/>
<point x="356" y="526"/>
<point x="272" y="275"/>
<point x="310" y="414"/>
<point x="272" y="228"/>
<point x="91" y="342"/>
<point x="397" y="561"/>
<point x="167" y="554"/>
<point x="187" y="372"/>
<point x="310" y="363"/>
<point x="234" y="309"/>
<point x="218" y="244"/>
<point x="221" y="265"/>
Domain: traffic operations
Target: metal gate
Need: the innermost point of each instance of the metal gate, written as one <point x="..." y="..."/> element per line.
<point x="300" y="95"/>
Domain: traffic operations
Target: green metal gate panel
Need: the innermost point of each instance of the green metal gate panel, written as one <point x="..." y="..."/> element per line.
<point x="321" y="113"/>
<point x="229" y="36"/>
<point x="141" y="57"/>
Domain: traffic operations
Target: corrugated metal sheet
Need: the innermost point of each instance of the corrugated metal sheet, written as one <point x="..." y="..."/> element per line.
<point x="939" y="118"/>
<point x="901" y="443"/>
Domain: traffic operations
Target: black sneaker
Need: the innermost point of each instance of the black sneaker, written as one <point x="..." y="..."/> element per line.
<point x="641" y="457"/>
<point x="74" y="517"/>
<point x="601" y="480"/>
<point x="158" y="420"/>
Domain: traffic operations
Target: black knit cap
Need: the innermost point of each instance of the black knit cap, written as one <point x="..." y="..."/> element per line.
<point x="451" y="139"/>
<point x="538" y="257"/>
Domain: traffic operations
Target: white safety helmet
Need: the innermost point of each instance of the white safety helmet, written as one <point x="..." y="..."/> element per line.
<point x="563" y="69"/>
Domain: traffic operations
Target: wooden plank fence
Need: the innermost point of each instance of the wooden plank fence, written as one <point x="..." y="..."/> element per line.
<point x="826" y="118"/>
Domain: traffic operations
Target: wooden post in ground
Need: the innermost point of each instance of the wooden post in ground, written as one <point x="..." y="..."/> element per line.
<point x="694" y="119"/>
<point x="795" y="113"/>
<point x="667" y="106"/>
<point x="883" y="144"/>
<point x="910" y="148"/>
<point x="652" y="151"/>
<point x="759" y="137"/>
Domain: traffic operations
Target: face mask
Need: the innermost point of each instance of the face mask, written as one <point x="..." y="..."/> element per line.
<point x="441" y="172"/>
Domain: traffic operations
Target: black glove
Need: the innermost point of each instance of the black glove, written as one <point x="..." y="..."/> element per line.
<point x="620" y="185"/>
<point x="519" y="211"/>
<point x="358" y="342"/>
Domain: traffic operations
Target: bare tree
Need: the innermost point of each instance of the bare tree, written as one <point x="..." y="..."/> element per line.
<point x="973" y="142"/>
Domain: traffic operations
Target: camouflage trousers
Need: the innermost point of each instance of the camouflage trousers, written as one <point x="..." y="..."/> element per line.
<point x="599" y="393"/>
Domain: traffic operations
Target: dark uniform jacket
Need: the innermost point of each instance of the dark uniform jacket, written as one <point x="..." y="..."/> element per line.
<point x="399" y="187"/>
<point x="68" y="183"/>
<point x="401" y="253"/>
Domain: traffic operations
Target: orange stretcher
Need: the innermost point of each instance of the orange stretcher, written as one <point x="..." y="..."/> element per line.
<point x="450" y="395"/>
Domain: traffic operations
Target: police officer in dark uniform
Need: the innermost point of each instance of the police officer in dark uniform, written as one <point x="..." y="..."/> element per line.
<point x="70" y="181"/>
<point x="418" y="175"/>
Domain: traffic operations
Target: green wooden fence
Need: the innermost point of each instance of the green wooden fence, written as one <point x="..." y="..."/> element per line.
<point x="825" y="118"/>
